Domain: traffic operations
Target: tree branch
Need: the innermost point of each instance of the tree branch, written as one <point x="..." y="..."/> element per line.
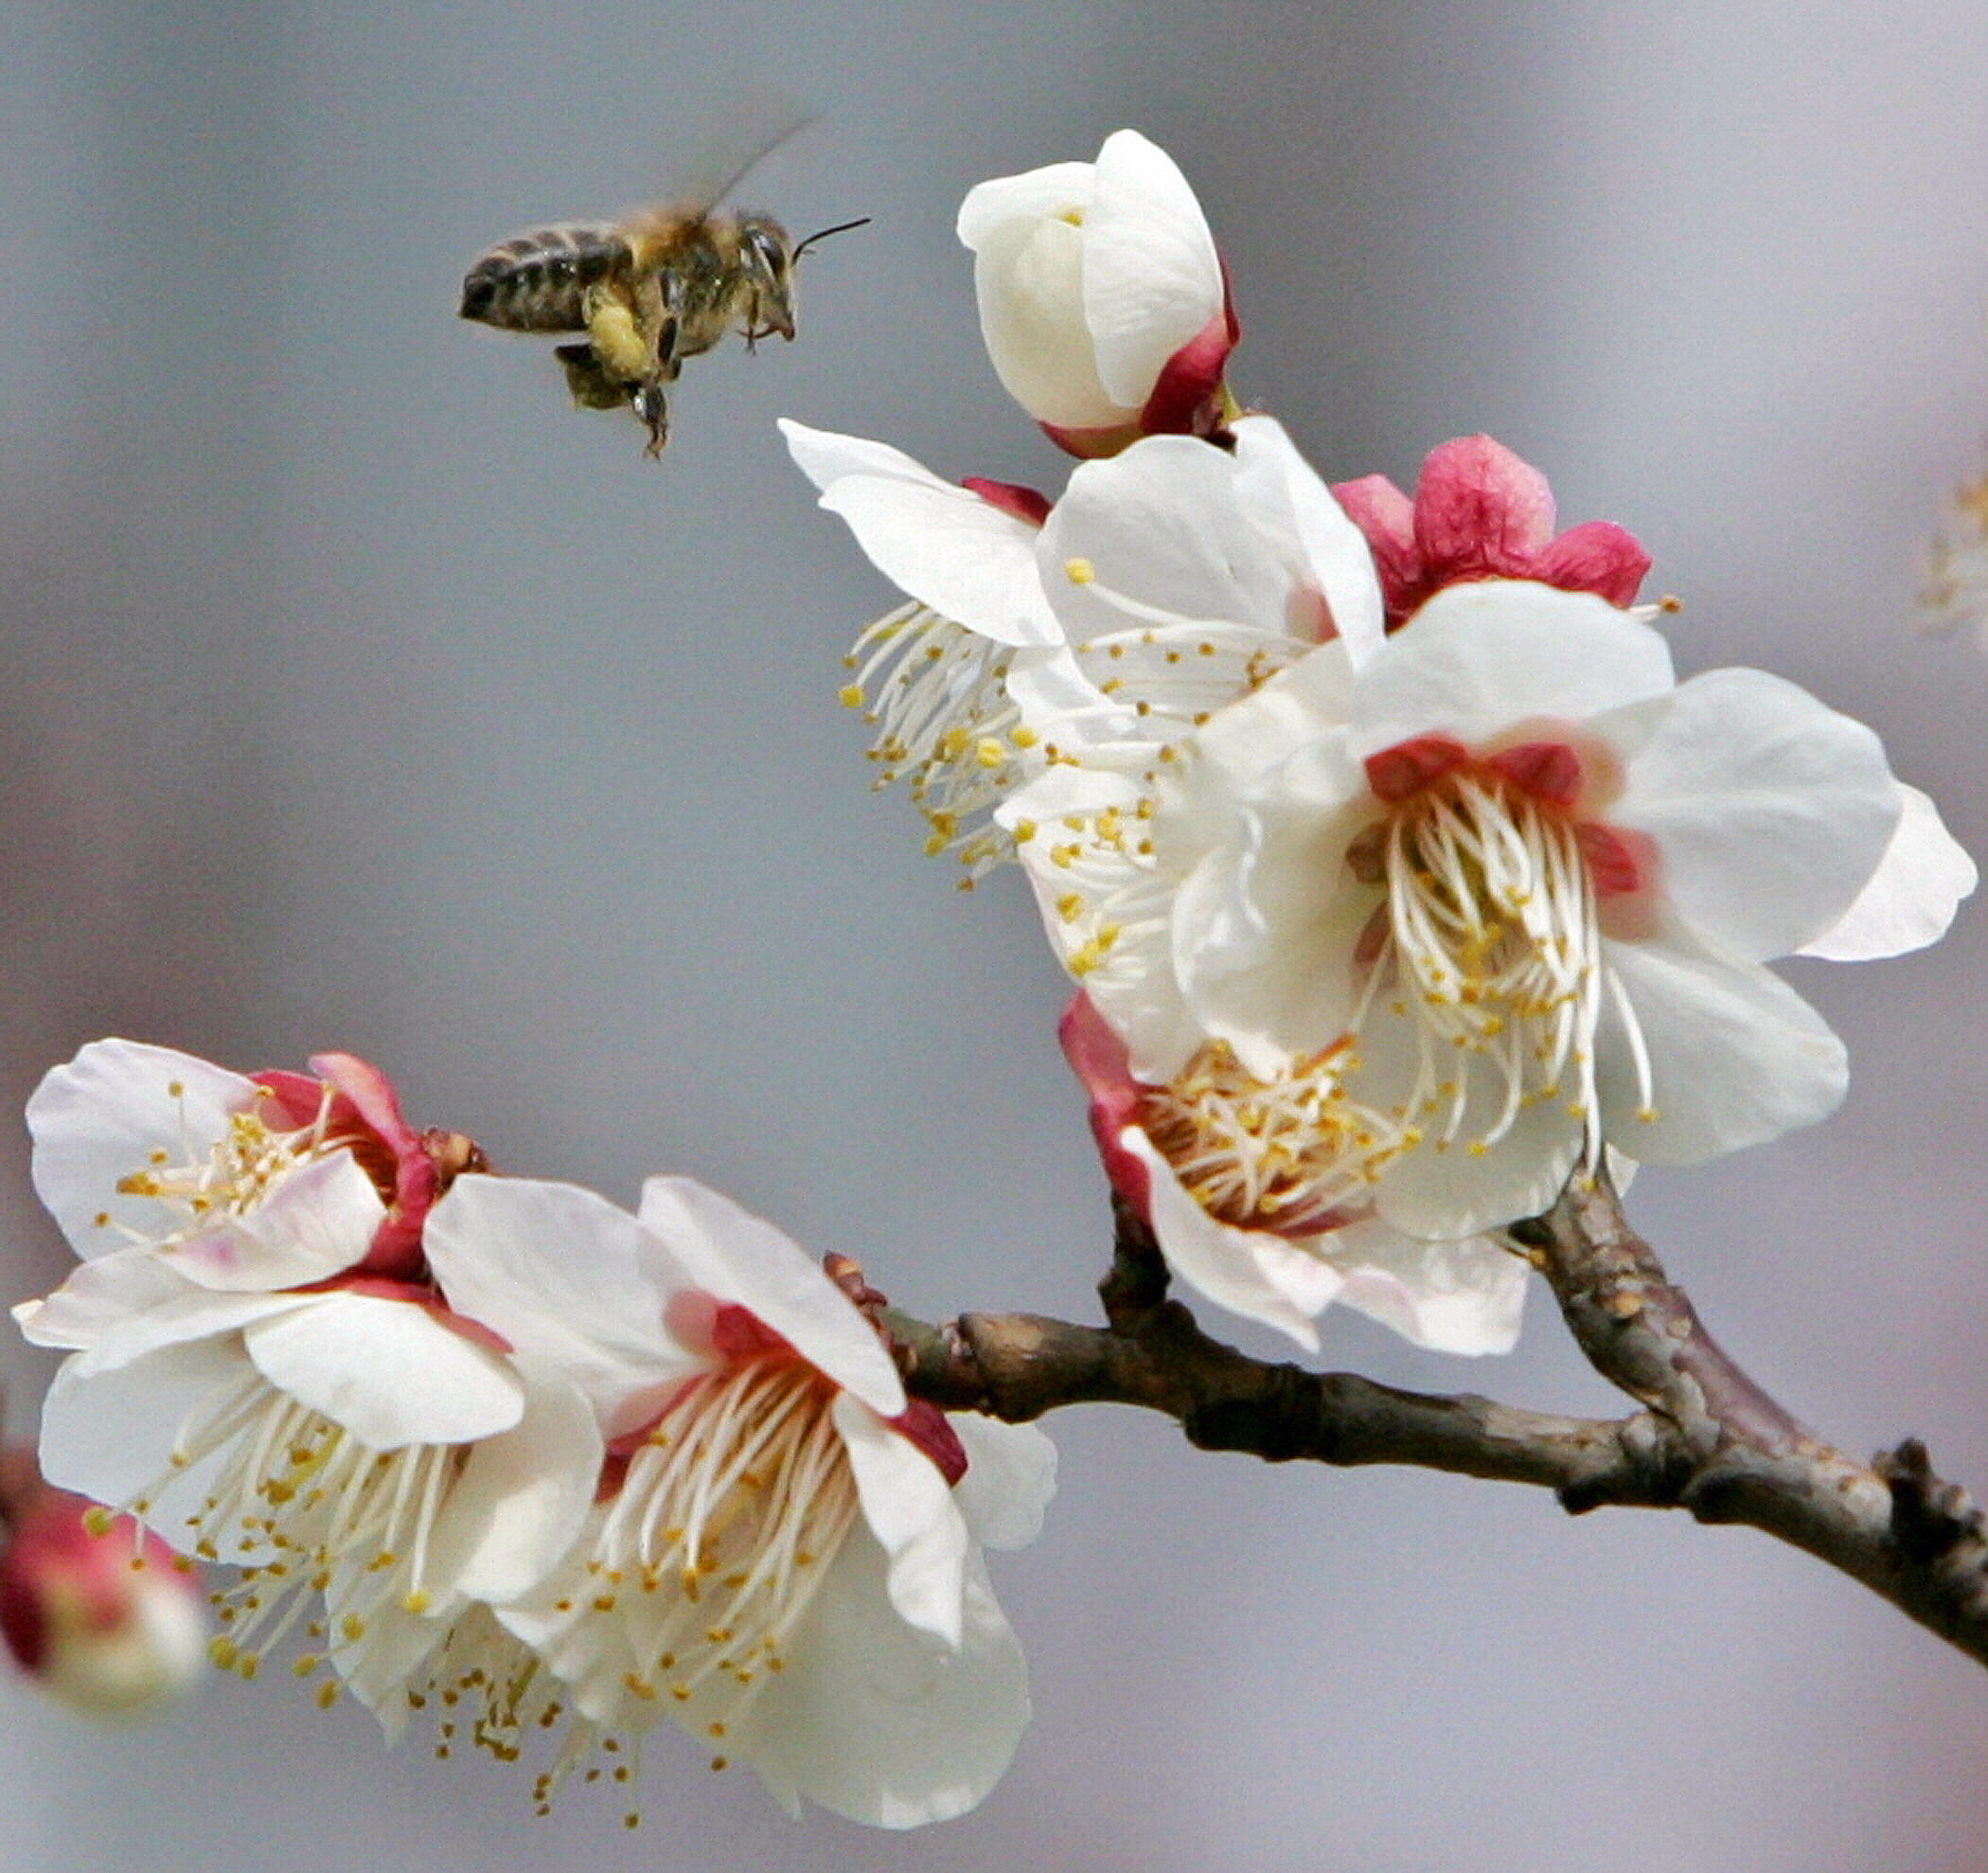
<point x="1707" y="1438"/>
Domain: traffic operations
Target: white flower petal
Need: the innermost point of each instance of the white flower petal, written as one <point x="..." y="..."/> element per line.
<point x="1158" y="535"/>
<point x="1736" y="1056"/>
<point x="110" y="1435"/>
<point x="1913" y="896"/>
<point x="1454" y="1297"/>
<point x="1011" y="1475"/>
<point x="103" y="1115"/>
<point x="909" y="1508"/>
<point x="387" y="1370"/>
<point x="1053" y="191"/>
<point x="523" y="1494"/>
<point x="1272" y="478"/>
<point x="100" y="1295"/>
<point x="881" y="1722"/>
<point x="1479" y="658"/>
<point x="941" y="543"/>
<point x="1151" y="276"/>
<point x="567" y="1277"/>
<point x="316" y="1221"/>
<point x="1768" y="809"/>
<point x="1249" y="1271"/>
<point x="1028" y="280"/>
<point x="734" y="1256"/>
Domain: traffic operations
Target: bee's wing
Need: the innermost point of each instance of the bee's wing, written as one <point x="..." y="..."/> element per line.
<point x="720" y="146"/>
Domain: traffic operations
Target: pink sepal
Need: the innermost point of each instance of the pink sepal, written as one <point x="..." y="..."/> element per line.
<point x="1010" y="497"/>
<point x="1101" y="1061"/>
<point x="1185" y="399"/>
<point x="925" y="1425"/>
<point x="1480" y="512"/>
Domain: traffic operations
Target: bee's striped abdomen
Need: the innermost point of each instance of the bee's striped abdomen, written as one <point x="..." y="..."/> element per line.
<point x="535" y="281"/>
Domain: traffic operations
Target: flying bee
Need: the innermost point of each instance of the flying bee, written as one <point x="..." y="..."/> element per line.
<point x="649" y="292"/>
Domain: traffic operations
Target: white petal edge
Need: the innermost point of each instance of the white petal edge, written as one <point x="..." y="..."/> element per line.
<point x="1914" y="895"/>
<point x="879" y="1721"/>
<point x="1011" y="1476"/>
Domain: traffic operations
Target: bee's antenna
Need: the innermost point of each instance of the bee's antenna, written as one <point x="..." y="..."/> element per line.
<point x="840" y="227"/>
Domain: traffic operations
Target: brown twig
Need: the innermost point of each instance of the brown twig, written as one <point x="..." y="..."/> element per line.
<point x="1707" y="1438"/>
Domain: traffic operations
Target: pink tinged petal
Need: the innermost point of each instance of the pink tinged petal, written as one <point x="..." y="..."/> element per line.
<point x="110" y="1435"/>
<point x="523" y="1494"/>
<point x="101" y="1117"/>
<point x="1452" y="1297"/>
<point x="879" y="1722"/>
<point x="1273" y="478"/>
<point x="1479" y="510"/>
<point x="317" y="1221"/>
<point x="734" y="1256"/>
<point x="968" y="559"/>
<point x="1481" y="659"/>
<point x="570" y="1278"/>
<point x="1152" y="280"/>
<point x="1396" y="774"/>
<point x="908" y="1505"/>
<point x="1768" y="810"/>
<point x="390" y="1372"/>
<point x="1011" y="1475"/>
<point x="1597" y="556"/>
<point x="1735" y="1056"/>
<point x="1249" y="1271"/>
<point x="1911" y="896"/>
<point x="1099" y="1058"/>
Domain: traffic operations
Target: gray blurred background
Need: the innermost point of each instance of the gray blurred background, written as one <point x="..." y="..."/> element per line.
<point x="358" y="692"/>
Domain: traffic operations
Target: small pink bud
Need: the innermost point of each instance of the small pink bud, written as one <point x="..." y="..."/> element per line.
<point x="103" y="1616"/>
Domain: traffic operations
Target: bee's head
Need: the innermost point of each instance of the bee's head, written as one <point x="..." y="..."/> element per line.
<point x="766" y="257"/>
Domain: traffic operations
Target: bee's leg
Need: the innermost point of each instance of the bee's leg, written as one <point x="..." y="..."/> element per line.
<point x="651" y="404"/>
<point x="592" y="387"/>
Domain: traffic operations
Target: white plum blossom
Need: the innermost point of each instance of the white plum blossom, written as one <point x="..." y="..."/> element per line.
<point x="784" y="1557"/>
<point x="262" y="1371"/>
<point x="1507" y="891"/>
<point x="1166" y="580"/>
<point x="1102" y="299"/>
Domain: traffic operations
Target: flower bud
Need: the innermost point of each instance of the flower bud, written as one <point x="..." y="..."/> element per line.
<point x="1102" y="299"/>
<point x="105" y="1618"/>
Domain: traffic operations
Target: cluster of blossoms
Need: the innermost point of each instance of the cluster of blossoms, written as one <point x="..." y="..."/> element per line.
<point x="496" y="1449"/>
<point x="1399" y="877"/>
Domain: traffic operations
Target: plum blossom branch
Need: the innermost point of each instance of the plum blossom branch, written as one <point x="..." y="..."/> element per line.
<point x="1707" y="1438"/>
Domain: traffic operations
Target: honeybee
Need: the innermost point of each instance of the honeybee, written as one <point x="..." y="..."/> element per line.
<point x="649" y="292"/>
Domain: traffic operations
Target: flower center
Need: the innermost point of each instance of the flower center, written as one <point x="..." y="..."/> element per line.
<point x="1492" y="926"/>
<point x="228" y="1177"/>
<point x="1293" y="1155"/>
<point x="726" y="1520"/>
